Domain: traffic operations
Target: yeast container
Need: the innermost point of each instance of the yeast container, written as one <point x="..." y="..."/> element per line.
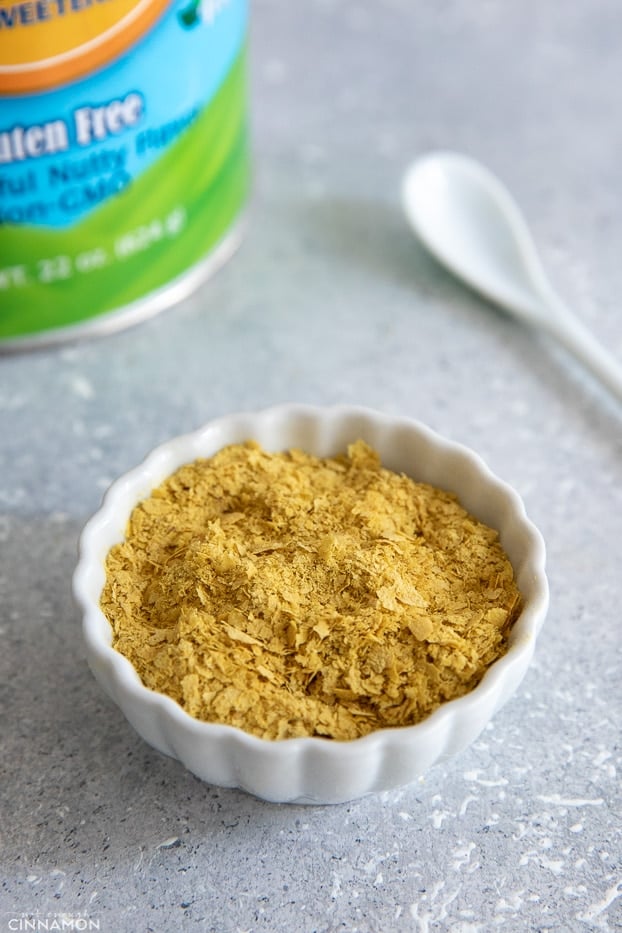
<point x="124" y="165"/>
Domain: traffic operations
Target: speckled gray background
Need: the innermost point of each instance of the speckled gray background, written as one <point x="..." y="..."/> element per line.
<point x="330" y="300"/>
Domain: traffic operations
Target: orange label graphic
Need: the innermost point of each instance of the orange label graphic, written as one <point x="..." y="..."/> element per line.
<point x="44" y="43"/>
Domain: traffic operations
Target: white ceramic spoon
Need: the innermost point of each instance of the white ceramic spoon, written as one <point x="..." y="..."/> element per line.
<point x="469" y="222"/>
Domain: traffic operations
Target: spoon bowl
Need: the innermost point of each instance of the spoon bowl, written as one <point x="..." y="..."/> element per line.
<point x="469" y="222"/>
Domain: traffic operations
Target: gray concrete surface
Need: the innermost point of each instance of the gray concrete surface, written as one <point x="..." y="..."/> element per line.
<point x="330" y="300"/>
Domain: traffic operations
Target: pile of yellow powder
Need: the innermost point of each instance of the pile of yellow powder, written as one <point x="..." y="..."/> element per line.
<point x="295" y="596"/>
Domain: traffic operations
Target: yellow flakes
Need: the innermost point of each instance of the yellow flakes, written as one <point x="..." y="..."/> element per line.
<point x="235" y="634"/>
<point x="322" y="629"/>
<point x="421" y="627"/>
<point x="290" y="595"/>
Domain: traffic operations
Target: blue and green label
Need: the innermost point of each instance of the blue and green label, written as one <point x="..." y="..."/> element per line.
<point x="115" y="182"/>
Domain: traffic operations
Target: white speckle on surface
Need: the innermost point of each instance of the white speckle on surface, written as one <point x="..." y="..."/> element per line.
<point x="461" y="855"/>
<point x="601" y="758"/>
<point x="578" y="891"/>
<point x="438" y="816"/>
<point x="465" y="804"/>
<point x="511" y="902"/>
<point x="594" y="911"/>
<point x="437" y="887"/>
<point x="559" y="801"/>
<point x="81" y="387"/>
<point x="432" y="909"/>
<point x="576" y="828"/>
<point x="371" y="866"/>
<point x="555" y="866"/>
<point x="485" y="782"/>
<point x="336" y="887"/>
<point x="170" y="843"/>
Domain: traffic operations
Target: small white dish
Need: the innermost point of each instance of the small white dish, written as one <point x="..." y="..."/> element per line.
<point x="315" y="770"/>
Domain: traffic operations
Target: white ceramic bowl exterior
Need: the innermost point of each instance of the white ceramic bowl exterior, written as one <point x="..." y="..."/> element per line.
<point x="314" y="770"/>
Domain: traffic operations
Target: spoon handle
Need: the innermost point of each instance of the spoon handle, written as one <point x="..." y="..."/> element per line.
<point x="576" y="338"/>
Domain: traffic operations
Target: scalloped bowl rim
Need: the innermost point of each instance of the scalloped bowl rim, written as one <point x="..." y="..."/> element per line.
<point x="107" y="526"/>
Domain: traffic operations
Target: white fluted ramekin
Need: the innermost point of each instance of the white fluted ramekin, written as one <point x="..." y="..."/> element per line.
<point x="316" y="770"/>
